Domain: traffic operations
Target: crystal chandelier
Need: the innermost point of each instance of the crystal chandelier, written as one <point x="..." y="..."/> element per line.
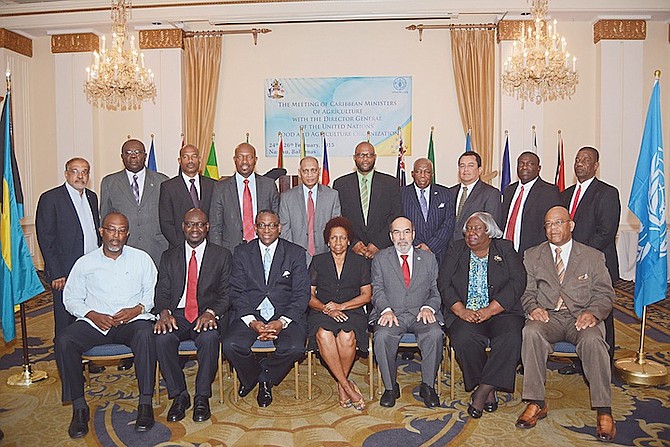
<point x="540" y="68"/>
<point x="117" y="79"/>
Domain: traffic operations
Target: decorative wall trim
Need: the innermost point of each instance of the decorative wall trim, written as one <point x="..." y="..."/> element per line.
<point x="511" y="29"/>
<point x="611" y="29"/>
<point x="161" y="38"/>
<point x="74" y="43"/>
<point x="16" y="42"/>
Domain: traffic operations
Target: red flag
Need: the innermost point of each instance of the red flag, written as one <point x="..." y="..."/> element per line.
<point x="325" y="173"/>
<point x="280" y="152"/>
<point x="560" y="166"/>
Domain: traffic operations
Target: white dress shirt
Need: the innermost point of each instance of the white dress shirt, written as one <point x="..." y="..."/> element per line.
<point x="240" y="192"/>
<point x="141" y="175"/>
<point x="517" y="227"/>
<point x="85" y="215"/>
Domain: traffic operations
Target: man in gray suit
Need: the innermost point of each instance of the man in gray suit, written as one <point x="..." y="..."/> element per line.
<point x="134" y="192"/>
<point x="300" y="225"/>
<point x="406" y="299"/>
<point x="236" y="200"/>
<point x="568" y="295"/>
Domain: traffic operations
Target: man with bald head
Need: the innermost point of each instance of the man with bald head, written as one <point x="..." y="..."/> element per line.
<point x="238" y="199"/>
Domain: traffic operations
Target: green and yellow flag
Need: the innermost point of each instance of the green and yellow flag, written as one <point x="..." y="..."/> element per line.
<point x="212" y="168"/>
<point x="431" y="151"/>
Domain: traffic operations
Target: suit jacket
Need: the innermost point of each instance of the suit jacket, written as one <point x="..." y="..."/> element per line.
<point x="175" y="200"/>
<point x="59" y="232"/>
<point x="506" y="277"/>
<point x="384" y="206"/>
<point x="483" y="197"/>
<point x="388" y="284"/>
<point x="540" y="199"/>
<point x="145" y="231"/>
<point x="213" y="291"/>
<point x="225" y="220"/>
<point x="597" y="220"/>
<point x="586" y="286"/>
<point x="293" y="216"/>
<point x="436" y="232"/>
<point x="288" y="287"/>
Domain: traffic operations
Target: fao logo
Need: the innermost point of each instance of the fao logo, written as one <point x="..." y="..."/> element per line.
<point x="399" y="84"/>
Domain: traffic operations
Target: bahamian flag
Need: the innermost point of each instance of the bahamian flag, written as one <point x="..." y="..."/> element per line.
<point x="325" y="172"/>
<point x="18" y="279"/>
<point x="212" y="168"/>
<point x="647" y="202"/>
<point x="151" y="165"/>
<point x="505" y="178"/>
<point x="431" y="152"/>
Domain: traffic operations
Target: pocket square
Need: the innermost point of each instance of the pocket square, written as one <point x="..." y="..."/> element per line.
<point x="583" y="277"/>
<point x="286" y="274"/>
<point x="441" y="205"/>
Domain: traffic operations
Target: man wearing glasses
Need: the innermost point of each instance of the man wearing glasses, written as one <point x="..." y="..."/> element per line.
<point x="111" y="293"/>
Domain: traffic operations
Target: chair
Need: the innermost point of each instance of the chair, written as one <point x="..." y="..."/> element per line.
<point x="106" y="352"/>
<point x="452" y="368"/>
<point x="265" y="347"/>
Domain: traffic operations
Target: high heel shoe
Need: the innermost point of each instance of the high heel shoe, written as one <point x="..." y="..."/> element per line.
<point x="473" y="412"/>
<point x="346" y="403"/>
<point x="490" y="407"/>
<point x="359" y="404"/>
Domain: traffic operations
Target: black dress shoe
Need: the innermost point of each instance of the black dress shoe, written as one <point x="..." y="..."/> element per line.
<point x="430" y="397"/>
<point x="389" y="397"/>
<point x="264" y="397"/>
<point x="243" y="390"/>
<point x="125" y="365"/>
<point x="79" y="423"/>
<point x="490" y="407"/>
<point x="177" y="411"/>
<point x="473" y="412"/>
<point x="95" y="369"/>
<point x="145" y="417"/>
<point x="573" y="368"/>
<point x="201" y="410"/>
<point x="407" y="356"/>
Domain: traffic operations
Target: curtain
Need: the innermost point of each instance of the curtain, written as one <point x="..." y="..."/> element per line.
<point x="473" y="58"/>
<point x="202" y="65"/>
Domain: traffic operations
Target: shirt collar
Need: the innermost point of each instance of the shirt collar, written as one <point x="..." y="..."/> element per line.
<point x="527" y="186"/>
<point x="73" y="191"/>
<point x="586" y="183"/>
<point x="187" y="179"/>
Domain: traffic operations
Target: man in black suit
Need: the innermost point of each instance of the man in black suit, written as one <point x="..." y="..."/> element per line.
<point x="525" y="203"/>
<point x="191" y="295"/>
<point x="187" y="190"/>
<point x="370" y="200"/>
<point x="67" y="222"/>
<point x="269" y="292"/>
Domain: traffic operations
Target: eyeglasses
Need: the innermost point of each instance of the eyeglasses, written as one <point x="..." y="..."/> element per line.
<point x="271" y="225"/>
<point x="76" y="172"/>
<point x="135" y="152"/>
<point x="365" y="155"/>
<point x="119" y="231"/>
<point x="476" y="229"/>
<point x="555" y="223"/>
<point x="191" y="225"/>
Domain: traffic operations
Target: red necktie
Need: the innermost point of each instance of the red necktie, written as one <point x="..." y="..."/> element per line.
<point x="509" y="234"/>
<point x="405" y="269"/>
<point x="191" y="310"/>
<point x="573" y="210"/>
<point x="311" y="248"/>
<point x="247" y="213"/>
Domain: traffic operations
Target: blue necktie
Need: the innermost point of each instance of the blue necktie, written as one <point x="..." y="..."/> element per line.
<point x="267" y="263"/>
<point x="424" y="204"/>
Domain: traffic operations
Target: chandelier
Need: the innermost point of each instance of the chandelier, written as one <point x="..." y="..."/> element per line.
<point x="117" y="79"/>
<point x="540" y="68"/>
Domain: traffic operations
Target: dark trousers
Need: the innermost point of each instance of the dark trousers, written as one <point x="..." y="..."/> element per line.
<point x="609" y="335"/>
<point x="503" y="333"/>
<point x="62" y="318"/>
<point x="167" y="350"/>
<point x="290" y="346"/>
<point x="80" y="336"/>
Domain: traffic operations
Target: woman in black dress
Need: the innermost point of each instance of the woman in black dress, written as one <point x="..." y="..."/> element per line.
<point x="337" y="319"/>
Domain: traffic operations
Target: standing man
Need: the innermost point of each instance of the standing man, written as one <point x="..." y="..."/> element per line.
<point x="430" y="208"/>
<point x="187" y="190"/>
<point x="472" y="194"/>
<point x="191" y="298"/>
<point x="525" y="203"/>
<point x="269" y="292"/>
<point x="406" y="299"/>
<point x="238" y="199"/>
<point x="370" y="200"/>
<point x="134" y="192"/>
<point x="305" y="209"/>
<point x="67" y="220"/>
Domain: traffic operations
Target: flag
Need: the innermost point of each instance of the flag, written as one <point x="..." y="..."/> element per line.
<point x="183" y="141"/>
<point x="212" y="167"/>
<point x="468" y="142"/>
<point x="400" y="171"/>
<point x="280" y="152"/>
<point x="647" y="202"/>
<point x="302" y="143"/>
<point x="152" y="157"/>
<point x="534" y="148"/>
<point x="18" y="279"/>
<point x="505" y="178"/>
<point x="559" y="180"/>
<point x="431" y="152"/>
<point x="247" y="137"/>
<point x="325" y="172"/>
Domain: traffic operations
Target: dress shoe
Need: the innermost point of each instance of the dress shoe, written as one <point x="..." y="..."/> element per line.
<point x="490" y="407"/>
<point x="605" y="429"/>
<point x="95" y="369"/>
<point x="407" y="356"/>
<point x="79" y="423"/>
<point x="430" y="397"/>
<point x="389" y="397"/>
<point x="264" y="397"/>
<point x="531" y="415"/>
<point x="145" y="417"/>
<point x="243" y="390"/>
<point x="125" y="365"/>
<point x="201" y="410"/>
<point x="177" y="411"/>
<point x="473" y="412"/>
<point x="572" y="368"/>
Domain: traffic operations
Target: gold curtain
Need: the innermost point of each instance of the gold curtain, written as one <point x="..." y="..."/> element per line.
<point x="202" y="65"/>
<point x="473" y="58"/>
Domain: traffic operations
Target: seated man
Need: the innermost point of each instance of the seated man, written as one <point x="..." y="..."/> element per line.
<point x="111" y="292"/>
<point x="568" y="294"/>
<point x="406" y="299"/>
<point x="269" y="292"/>
<point x="191" y="295"/>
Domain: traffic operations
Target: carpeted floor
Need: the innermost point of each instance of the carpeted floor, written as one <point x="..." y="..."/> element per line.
<point x="35" y="417"/>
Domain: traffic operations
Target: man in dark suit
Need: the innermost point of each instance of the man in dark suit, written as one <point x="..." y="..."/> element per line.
<point x="269" y="292"/>
<point x="370" y="200"/>
<point x="187" y="190"/>
<point x="472" y="194"/>
<point x="237" y="199"/>
<point x="430" y="207"/>
<point x="134" y="192"/>
<point x="191" y="295"/>
<point x="525" y="203"/>
<point x="67" y="223"/>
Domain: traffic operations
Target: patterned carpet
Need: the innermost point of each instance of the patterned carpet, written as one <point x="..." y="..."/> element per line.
<point x="35" y="416"/>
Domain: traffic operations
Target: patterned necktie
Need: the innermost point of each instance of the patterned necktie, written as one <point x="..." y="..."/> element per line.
<point x="136" y="189"/>
<point x="191" y="310"/>
<point x="247" y="213"/>
<point x="405" y="270"/>
<point x="573" y="210"/>
<point x="311" y="247"/>
<point x="267" y="263"/>
<point x="364" y="199"/>
<point x="461" y="203"/>
<point x="511" y="225"/>
<point x="560" y="269"/>
<point x="194" y="194"/>
<point x="424" y="204"/>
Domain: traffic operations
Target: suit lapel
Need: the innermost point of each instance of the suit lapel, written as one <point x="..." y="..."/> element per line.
<point x="180" y="273"/>
<point x="149" y="189"/>
<point x="417" y="266"/>
<point x="374" y="198"/>
<point x="587" y="198"/>
<point x="124" y="186"/>
<point x="257" y="262"/>
<point x="573" y="262"/>
<point x="276" y="264"/>
<point x="232" y="193"/>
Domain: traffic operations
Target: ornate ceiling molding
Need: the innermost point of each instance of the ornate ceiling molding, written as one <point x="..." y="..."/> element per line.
<point x="511" y="29"/>
<point x="614" y="29"/>
<point x="16" y="42"/>
<point x="161" y="38"/>
<point x="74" y="43"/>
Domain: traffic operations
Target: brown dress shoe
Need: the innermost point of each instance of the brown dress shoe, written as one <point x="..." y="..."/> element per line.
<point x="531" y="415"/>
<point x="605" y="430"/>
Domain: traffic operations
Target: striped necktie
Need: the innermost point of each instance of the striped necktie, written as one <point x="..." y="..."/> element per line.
<point x="560" y="269"/>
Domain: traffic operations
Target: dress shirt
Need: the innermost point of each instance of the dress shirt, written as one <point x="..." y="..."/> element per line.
<point x="85" y="215"/>
<point x="565" y="252"/>
<point x="199" y="253"/>
<point x="410" y="262"/>
<point x="239" y="180"/>
<point x="426" y="195"/>
<point x="141" y="175"/>
<point x="367" y="176"/>
<point x="105" y="285"/>
<point x="517" y="226"/>
<point x="470" y="187"/>
<point x="187" y="182"/>
<point x="306" y="191"/>
<point x="584" y="186"/>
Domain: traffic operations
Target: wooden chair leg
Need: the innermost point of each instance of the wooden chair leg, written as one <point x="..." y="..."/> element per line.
<point x="452" y="370"/>
<point x="439" y="380"/>
<point x="158" y="385"/>
<point x="220" y="374"/>
<point x="235" y="385"/>
<point x="309" y="375"/>
<point x="296" y="374"/>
